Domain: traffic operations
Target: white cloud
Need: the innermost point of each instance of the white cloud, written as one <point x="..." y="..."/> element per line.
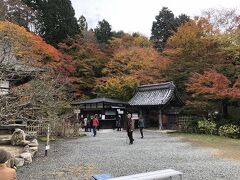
<point x="138" y="15"/>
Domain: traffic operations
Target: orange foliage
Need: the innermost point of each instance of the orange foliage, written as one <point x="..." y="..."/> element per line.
<point x="42" y="47"/>
<point x="213" y="85"/>
<point x="128" y="41"/>
<point x="193" y="38"/>
<point x="143" y="63"/>
<point x="27" y="46"/>
<point x="31" y="49"/>
<point x="134" y="56"/>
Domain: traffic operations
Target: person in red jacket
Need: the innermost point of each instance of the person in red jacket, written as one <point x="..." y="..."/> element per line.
<point x="95" y="124"/>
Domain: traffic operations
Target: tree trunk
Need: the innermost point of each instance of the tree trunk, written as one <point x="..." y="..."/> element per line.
<point x="225" y="108"/>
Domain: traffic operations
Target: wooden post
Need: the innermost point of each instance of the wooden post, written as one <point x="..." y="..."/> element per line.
<point x="77" y="117"/>
<point x="47" y="143"/>
<point x="140" y="112"/>
<point x="160" y="119"/>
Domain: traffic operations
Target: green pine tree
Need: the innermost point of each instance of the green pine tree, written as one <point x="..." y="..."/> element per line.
<point x="56" y="19"/>
<point x="103" y="31"/>
<point x="164" y="26"/>
<point x="82" y="22"/>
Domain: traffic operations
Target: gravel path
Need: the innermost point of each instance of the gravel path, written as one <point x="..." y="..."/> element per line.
<point x="109" y="152"/>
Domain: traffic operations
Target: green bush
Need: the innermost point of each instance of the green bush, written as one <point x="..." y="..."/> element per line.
<point x="191" y="127"/>
<point x="229" y="130"/>
<point x="207" y="127"/>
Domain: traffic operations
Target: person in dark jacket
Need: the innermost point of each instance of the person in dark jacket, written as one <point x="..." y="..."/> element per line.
<point x="141" y="125"/>
<point x="118" y="123"/>
<point x="130" y="128"/>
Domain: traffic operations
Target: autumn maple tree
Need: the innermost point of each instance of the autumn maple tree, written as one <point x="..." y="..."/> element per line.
<point x="37" y="73"/>
<point x="135" y="56"/>
<point x="212" y="85"/>
<point x="88" y="60"/>
<point x="197" y="47"/>
<point x="122" y="87"/>
<point x="132" y="56"/>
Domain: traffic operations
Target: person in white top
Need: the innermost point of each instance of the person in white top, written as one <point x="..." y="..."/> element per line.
<point x="85" y="124"/>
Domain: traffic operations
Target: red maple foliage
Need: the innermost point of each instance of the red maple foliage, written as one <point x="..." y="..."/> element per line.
<point x="213" y="85"/>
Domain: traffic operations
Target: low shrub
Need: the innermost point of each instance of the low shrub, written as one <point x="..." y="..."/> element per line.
<point x="229" y="130"/>
<point x="207" y="127"/>
<point x="190" y="126"/>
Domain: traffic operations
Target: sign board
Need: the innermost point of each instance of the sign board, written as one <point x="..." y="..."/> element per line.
<point x="135" y="116"/>
<point x="47" y="147"/>
<point x="120" y="111"/>
<point x="77" y="111"/>
<point x="103" y="117"/>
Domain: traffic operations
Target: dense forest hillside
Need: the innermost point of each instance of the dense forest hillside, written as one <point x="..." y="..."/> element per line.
<point x="201" y="55"/>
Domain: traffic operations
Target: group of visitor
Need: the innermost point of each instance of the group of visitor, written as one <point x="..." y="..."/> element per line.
<point x="130" y="127"/>
<point x="87" y="121"/>
<point x="94" y="124"/>
<point x="91" y="123"/>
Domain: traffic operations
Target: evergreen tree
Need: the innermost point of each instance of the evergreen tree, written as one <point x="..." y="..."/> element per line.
<point x="181" y="19"/>
<point x="82" y="23"/>
<point x="118" y="34"/>
<point x="56" y="19"/>
<point x="164" y="26"/>
<point x="103" y="31"/>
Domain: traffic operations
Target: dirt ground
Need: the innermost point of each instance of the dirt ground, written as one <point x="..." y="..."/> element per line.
<point x="14" y="150"/>
<point x="225" y="148"/>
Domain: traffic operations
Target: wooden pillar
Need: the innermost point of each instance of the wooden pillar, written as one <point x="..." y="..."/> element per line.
<point x="140" y="112"/>
<point x="160" y="119"/>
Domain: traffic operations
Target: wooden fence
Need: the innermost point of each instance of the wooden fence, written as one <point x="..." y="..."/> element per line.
<point x="58" y="129"/>
<point x="38" y="130"/>
<point x="183" y="121"/>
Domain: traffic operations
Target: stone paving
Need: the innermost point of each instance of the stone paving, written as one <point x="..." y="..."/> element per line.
<point x="110" y="152"/>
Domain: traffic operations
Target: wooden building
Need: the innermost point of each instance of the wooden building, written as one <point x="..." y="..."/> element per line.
<point x="107" y="110"/>
<point x="159" y="104"/>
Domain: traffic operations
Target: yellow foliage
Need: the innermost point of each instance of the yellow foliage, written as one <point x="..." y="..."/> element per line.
<point x="121" y="87"/>
<point x="193" y="38"/>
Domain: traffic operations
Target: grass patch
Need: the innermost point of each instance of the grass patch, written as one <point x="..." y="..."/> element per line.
<point x="222" y="147"/>
<point x="207" y="138"/>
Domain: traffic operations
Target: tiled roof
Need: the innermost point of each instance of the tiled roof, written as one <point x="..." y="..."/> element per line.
<point x="98" y="100"/>
<point x="154" y="94"/>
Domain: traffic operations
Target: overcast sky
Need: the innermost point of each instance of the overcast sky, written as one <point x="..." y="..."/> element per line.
<point x="138" y="15"/>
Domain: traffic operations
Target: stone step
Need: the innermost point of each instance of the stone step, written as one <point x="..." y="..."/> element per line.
<point x="5" y="139"/>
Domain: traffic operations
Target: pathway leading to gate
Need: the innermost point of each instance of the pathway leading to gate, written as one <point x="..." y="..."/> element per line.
<point x="109" y="152"/>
